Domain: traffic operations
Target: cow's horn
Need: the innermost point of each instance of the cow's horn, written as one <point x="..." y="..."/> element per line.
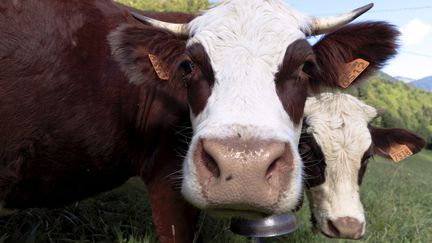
<point x="328" y="24"/>
<point x="176" y="28"/>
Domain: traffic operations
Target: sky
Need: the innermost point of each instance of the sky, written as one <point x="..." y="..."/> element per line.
<point x="412" y="18"/>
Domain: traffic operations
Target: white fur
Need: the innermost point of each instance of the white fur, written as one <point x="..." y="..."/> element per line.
<point x="246" y="42"/>
<point x="338" y="123"/>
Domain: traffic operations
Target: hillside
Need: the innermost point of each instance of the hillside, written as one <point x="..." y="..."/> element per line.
<point x="404" y="79"/>
<point x="424" y="83"/>
<point x="405" y="105"/>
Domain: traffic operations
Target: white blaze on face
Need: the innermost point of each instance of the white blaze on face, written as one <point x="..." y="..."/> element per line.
<point x="339" y="124"/>
<point x="246" y="42"/>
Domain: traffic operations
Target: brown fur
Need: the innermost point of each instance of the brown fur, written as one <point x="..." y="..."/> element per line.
<point x="383" y="139"/>
<point x="376" y="42"/>
<point x="168" y="205"/>
<point x="201" y="80"/>
<point x="71" y="123"/>
<point x="313" y="159"/>
<point x="292" y="81"/>
<point x="363" y="166"/>
<point x="323" y="64"/>
<point x="131" y="45"/>
<point x="36" y="86"/>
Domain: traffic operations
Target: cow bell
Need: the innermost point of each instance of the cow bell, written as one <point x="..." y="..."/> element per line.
<point x="275" y="225"/>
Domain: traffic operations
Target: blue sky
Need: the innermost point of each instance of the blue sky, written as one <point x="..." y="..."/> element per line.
<point x="413" y="18"/>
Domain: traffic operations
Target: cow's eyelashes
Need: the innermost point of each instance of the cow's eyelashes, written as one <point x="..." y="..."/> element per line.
<point x="186" y="68"/>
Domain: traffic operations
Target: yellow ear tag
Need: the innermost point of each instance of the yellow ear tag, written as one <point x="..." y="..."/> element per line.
<point x="400" y="152"/>
<point x="352" y="71"/>
<point x="158" y="67"/>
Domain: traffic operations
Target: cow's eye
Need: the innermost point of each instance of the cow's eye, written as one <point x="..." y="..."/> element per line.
<point x="307" y="66"/>
<point x="187" y="67"/>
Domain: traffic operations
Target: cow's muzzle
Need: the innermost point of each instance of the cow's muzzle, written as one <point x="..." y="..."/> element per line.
<point x="245" y="175"/>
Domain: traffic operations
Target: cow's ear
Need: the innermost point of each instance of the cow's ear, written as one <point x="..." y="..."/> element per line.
<point x="147" y="54"/>
<point x="395" y="143"/>
<point x="373" y="42"/>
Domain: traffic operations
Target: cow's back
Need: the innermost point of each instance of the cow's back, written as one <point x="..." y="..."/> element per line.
<point x="65" y="105"/>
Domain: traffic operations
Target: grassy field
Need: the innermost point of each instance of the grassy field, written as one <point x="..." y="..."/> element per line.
<point x="397" y="198"/>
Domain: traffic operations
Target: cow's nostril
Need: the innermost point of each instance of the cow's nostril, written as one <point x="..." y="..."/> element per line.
<point x="333" y="229"/>
<point x="273" y="168"/>
<point x="211" y="164"/>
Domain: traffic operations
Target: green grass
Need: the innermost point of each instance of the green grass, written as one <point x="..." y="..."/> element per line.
<point x="397" y="199"/>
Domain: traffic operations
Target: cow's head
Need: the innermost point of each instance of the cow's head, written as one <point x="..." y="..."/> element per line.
<point x="336" y="145"/>
<point x="246" y="68"/>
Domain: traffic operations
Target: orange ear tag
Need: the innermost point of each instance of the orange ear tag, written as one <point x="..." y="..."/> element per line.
<point x="400" y="152"/>
<point x="158" y="67"/>
<point x="352" y="71"/>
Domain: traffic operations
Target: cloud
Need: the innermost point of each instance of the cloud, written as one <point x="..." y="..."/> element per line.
<point x="415" y="32"/>
<point x="410" y="66"/>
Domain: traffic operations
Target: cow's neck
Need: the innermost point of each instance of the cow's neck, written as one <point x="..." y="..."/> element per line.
<point x="161" y="122"/>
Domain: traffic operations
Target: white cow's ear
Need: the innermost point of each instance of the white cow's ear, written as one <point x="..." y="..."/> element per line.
<point x="381" y="112"/>
<point x="388" y="142"/>
<point x="370" y="112"/>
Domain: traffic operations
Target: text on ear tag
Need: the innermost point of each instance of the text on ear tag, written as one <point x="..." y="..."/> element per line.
<point x="352" y="71"/>
<point x="399" y="152"/>
<point x="158" y="67"/>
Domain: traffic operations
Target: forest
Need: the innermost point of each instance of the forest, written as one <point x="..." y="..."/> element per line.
<point x="401" y="105"/>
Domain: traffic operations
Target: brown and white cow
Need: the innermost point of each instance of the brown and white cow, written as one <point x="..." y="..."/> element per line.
<point x="336" y="145"/>
<point x="73" y="122"/>
<point x="311" y="164"/>
<point x="248" y="67"/>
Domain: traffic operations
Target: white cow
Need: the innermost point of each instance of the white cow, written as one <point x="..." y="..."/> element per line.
<point x="336" y="144"/>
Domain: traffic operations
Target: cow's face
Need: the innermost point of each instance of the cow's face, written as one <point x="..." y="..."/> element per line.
<point x="246" y="68"/>
<point x="338" y="126"/>
<point x="243" y="155"/>
<point x="336" y="146"/>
